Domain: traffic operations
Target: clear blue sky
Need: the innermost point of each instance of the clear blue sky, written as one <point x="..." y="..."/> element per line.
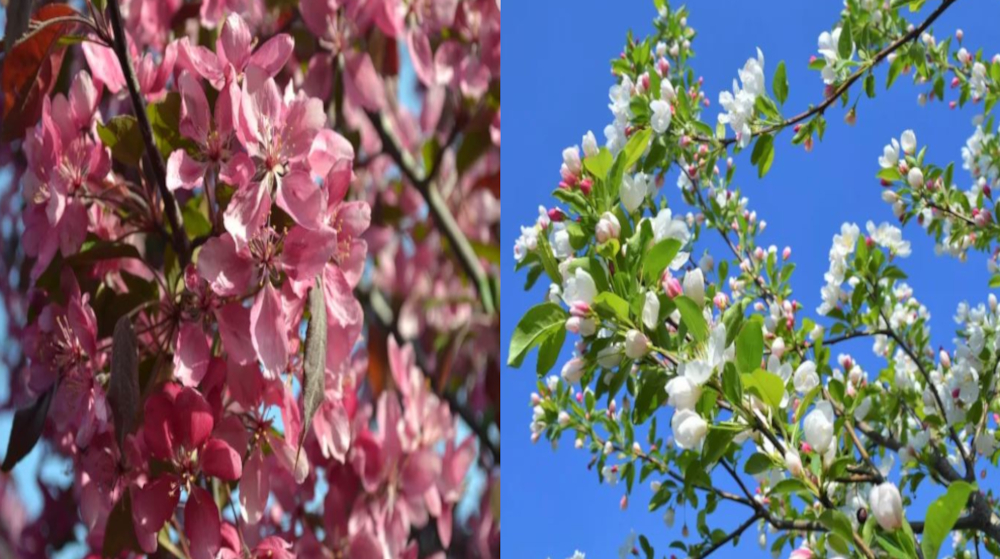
<point x="559" y="91"/>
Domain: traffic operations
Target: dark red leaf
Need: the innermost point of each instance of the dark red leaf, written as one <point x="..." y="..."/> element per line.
<point x="30" y="71"/>
<point x="27" y="428"/>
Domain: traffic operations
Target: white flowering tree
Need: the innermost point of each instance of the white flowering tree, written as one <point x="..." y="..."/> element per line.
<point x="714" y="346"/>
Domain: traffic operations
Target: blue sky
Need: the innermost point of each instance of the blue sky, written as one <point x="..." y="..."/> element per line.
<point x="561" y="77"/>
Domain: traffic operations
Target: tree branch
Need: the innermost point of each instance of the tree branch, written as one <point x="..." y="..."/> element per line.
<point x="850" y="81"/>
<point x="179" y="238"/>
<point x="439" y="210"/>
<point x="731" y="536"/>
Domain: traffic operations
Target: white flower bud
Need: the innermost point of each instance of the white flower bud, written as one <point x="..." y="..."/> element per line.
<point x="909" y="142"/>
<point x="887" y="506"/>
<point x="636" y="344"/>
<point x="915" y="177"/>
<point x="818" y="427"/>
<point x="608" y="228"/>
<point x="572" y="371"/>
<point x="651" y="311"/>
<point x="694" y="286"/>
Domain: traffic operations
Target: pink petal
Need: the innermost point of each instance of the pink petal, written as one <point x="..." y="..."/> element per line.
<point x="332" y="156"/>
<point x="419" y="46"/>
<point x="104" y="66"/>
<point x="231" y="430"/>
<point x="234" y="43"/>
<point x="272" y="55"/>
<point x="157" y="429"/>
<point x="448" y="57"/>
<point x="204" y="62"/>
<point x="306" y="251"/>
<point x="240" y="169"/>
<point x="333" y="430"/>
<point x="219" y="460"/>
<point x="255" y="486"/>
<point x="184" y="172"/>
<point x="202" y="525"/>
<point x="268" y="331"/>
<point x="444" y="524"/>
<point x="363" y="85"/>
<point x="353" y="219"/>
<point x="154" y="504"/>
<point x="305" y="118"/>
<point x="246" y="385"/>
<point x="288" y="456"/>
<point x="342" y="308"/>
<point x="320" y="16"/>
<point x="420" y="471"/>
<point x="211" y="12"/>
<point x="274" y="547"/>
<point x="234" y="322"/>
<point x="302" y="199"/>
<point x="495" y="129"/>
<point x="259" y="105"/>
<point x="226" y="270"/>
<point x="193" y="422"/>
<point x="247" y="212"/>
<point x="401" y="361"/>
<point x="365" y="546"/>
<point x="195" y="114"/>
<point x="83" y="100"/>
<point x="192" y="355"/>
<point x="227" y="112"/>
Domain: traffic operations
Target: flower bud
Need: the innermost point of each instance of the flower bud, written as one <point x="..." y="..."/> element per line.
<point x="915" y="177"/>
<point x="668" y="517"/>
<point x="887" y="506"/>
<point x="573" y="370"/>
<point x="671" y="286"/>
<point x="694" y="286"/>
<point x="651" y="311"/>
<point x="636" y="344"/>
<point x="778" y="347"/>
<point x="689" y="429"/>
<point x="818" y="427"/>
<point x="909" y="142"/>
<point x="564" y="418"/>
<point x="721" y="301"/>
<point x="793" y="462"/>
<point x="608" y="228"/>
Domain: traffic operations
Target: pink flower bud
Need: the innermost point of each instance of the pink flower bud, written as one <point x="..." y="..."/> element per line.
<point x="586" y="185"/>
<point x="556" y="215"/>
<point x="785" y="254"/>
<point x="721" y="301"/>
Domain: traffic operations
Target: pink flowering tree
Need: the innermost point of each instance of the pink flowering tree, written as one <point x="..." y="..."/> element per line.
<point x="758" y="415"/>
<point x="250" y="272"/>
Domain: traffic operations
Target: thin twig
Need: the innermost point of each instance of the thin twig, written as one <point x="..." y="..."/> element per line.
<point x="439" y="210"/>
<point x="158" y="168"/>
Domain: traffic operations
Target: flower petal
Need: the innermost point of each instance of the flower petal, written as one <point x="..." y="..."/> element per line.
<point x="219" y="460"/>
<point x="234" y="322"/>
<point x="157" y="429"/>
<point x="305" y="252"/>
<point x="268" y="332"/>
<point x="234" y="43"/>
<point x="154" y="504"/>
<point x="202" y="525"/>
<point x="302" y="199"/>
<point x="192" y="355"/>
<point x="184" y="172"/>
<point x="227" y="271"/>
<point x="195" y="114"/>
<point x="193" y="421"/>
<point x="272" y="55"/>
<point x="247" y="212"/>
<point x="255" y="486"/>
<point x="363" y="85"/>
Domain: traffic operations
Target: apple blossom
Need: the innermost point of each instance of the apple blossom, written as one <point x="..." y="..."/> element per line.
<point x="694" y="286"/>
<point x="608" y="228"/>
<point x="689" y="429"/>
<point x="887" y="506"/>
<point x="818" y="427"/>
<point x="636" y="344"/>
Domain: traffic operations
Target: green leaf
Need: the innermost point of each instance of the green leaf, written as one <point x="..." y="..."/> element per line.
<point x="121" y="135"/>
<point x="658" y="258"/>
<point x="716" y="444"/>
<point x="891" y="174"/>
<point x="942" y="515"/>
<point x="119" y="536"/>
<point x="790" y="485"/>
<point x="870" y="85"/>
<point x="732" y="385"/>
<point x="314" y="361"/>
<point x="763" y="154"/>
<point x="838" y="523"/>
<point x="548" y="351"/>
<point x="768" y="386"/>
<point x="164" y="119"/>
<point x="780" y="83"/>
<point x="758" y="464"/>
<point x="845" y="46"/>
<point x="749" y="347"/>
<point x="599" y="165"/>
<point x="474" y="145"/>
<point x="691" y="315"/>
<point x="540" y="322"/>
<point x="636" y="146"/>
<point x="612" y="306"/>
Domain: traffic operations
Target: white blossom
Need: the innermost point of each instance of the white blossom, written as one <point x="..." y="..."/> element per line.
<point x="887" y="506"/>
<point x="689" y="429"/>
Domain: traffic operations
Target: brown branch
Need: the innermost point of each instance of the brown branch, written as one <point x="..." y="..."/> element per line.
<point x="439" y="210"/>
<point x="158" y="168"/>
<point x="731" y="536"/>
<point x="850" y="81"/>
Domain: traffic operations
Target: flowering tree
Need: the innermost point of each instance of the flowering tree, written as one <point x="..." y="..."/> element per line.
<point x="251" y="271"/>
<point x="716" y="346"/>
